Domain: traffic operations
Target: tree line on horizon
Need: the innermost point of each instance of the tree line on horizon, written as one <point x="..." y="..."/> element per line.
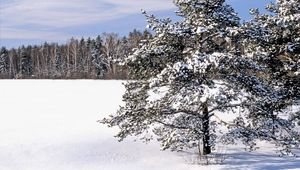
<point x="91" y="58"/>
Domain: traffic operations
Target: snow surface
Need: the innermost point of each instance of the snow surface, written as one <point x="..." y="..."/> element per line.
<point x="52" y="125"/>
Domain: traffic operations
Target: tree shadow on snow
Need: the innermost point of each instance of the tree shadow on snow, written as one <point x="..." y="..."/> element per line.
<point x="259" y="161"/>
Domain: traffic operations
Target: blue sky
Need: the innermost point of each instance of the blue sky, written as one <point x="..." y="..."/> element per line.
<point x="36" y="21"/>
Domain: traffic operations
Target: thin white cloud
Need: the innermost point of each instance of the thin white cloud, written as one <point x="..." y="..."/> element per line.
<point x="23" y="34"/>
<point x="23" y="19"/>
<point x="66" y="13"/>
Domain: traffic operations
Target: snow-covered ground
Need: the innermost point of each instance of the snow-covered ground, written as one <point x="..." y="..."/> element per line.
<point x="52" y="125"/>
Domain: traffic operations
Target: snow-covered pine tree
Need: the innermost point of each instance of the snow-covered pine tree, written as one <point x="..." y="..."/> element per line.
<point x="194" y="85"/>
<point x="274" y="41"/>
<point x="98" y="59"/>
<point x="3" y="60"/>
<point x="58" y="59"/>
<point x="26" y="63"/>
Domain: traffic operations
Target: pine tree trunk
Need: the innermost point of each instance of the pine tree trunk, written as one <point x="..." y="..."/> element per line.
<point x="206" y="136"/>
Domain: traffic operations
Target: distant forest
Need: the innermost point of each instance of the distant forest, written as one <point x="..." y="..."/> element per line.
<point x="89" y="58"/>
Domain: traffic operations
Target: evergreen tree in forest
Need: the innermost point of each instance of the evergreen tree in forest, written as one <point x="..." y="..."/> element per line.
<point x="3" y="60"/>
<point x="82" y="54"/>
<point x="26" y="63"/>
<point x="98" y="59"/>
<point x="58" y="59"/>
<point x="190" y="77"/>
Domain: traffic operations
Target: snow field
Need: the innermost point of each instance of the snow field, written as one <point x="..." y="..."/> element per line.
<point x="52" y="125"/>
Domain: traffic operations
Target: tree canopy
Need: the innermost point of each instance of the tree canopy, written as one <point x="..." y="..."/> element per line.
<point x="204" y="80"/>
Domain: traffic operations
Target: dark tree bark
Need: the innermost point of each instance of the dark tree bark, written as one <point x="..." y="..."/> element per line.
<point x="206" y="137"/>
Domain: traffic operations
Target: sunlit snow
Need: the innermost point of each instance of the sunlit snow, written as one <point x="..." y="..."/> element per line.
<point x="52" y="125"/>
